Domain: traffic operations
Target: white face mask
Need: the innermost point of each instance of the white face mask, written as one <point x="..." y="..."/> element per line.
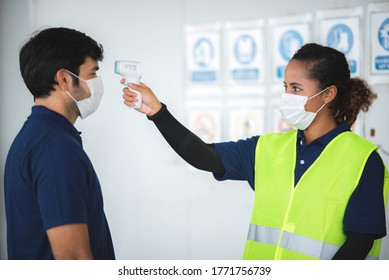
<point x="292" y="108"/>
<point x="89" y="105"/>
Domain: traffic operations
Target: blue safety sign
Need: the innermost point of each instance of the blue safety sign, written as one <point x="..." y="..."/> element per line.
<point x="245" y="49"/>
<point x="341" y="37"/>
<point x="383" y="34"/>
<point x="244" y="53"/>
<point x="289" y="43"/>
<point x="382" y="61"/>
<point x="203" y="55"/>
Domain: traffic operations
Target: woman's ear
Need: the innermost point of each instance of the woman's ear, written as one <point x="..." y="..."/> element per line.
<point x="330" y="94"/>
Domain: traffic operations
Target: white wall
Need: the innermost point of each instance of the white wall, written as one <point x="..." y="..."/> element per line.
<point x="15" y="103"/>
<point x="157" y="207"/>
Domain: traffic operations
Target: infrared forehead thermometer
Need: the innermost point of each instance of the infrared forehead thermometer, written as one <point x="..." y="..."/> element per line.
<point x="132" y="73"/>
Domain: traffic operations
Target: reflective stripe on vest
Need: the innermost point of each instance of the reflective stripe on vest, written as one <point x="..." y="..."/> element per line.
<point x="297" y="243"/>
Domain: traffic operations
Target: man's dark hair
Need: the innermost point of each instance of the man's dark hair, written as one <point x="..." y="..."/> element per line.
<point x="50" y="50"/>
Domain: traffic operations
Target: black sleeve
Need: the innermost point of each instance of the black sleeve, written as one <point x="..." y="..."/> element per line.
<point x="186" y="144"/>
<point x="356" y="247"/>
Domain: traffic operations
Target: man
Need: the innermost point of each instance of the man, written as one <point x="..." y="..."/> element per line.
<point x="53" y="198"/>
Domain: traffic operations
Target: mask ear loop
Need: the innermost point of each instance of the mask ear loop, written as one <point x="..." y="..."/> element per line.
<point x="71" y="73"/>
<point x="321" y="108"/>
<point x="72" y="97"/>
<point x="318" y="93"/>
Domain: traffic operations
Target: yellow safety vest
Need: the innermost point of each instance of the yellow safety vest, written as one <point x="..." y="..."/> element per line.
<point x="305" y="222"/>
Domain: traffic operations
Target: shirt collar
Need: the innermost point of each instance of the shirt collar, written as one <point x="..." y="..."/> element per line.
<point x="329" y="136"/>
<point x="42" y="111"/>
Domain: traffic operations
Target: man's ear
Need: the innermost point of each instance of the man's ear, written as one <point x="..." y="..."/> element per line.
<point x="63" y="79"/>
<point x="330" y="94"/>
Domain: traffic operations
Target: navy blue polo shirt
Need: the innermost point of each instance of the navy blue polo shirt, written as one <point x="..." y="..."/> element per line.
<point x="365" y="212"/>
<point x="49" y="181"/>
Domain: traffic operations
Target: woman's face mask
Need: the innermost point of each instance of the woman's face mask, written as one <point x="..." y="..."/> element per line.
<point x="292" y="108"/>
<point x="90" y="104"/>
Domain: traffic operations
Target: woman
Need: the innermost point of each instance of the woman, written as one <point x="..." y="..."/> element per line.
<point x="320" y="190"/>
